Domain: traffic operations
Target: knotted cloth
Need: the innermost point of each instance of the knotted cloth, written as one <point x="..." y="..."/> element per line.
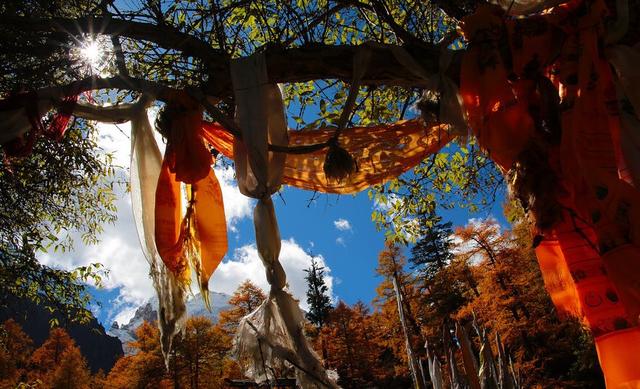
<point x="275" y="330"/>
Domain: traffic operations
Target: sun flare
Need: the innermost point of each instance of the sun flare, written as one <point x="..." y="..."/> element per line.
<point x="91" y="52"/>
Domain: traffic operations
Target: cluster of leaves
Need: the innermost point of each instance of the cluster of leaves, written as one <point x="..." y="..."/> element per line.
<point x="61" y="191"/>
<point x="461" y="175"/>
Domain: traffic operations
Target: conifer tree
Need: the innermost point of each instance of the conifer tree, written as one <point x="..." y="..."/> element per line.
<point x="431" y="257"/>
<point x="432" y="252"/>
<point x="317" y="295"/>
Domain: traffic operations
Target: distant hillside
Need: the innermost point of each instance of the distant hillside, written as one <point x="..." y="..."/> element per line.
<point x="148" y="312"/>
<point x="100" y="349"/>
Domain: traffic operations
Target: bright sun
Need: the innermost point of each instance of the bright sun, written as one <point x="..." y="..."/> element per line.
<point x="90" y="51"/>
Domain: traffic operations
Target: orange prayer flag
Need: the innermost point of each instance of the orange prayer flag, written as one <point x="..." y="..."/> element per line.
<point x="501" y="123"/>
<point x="219" y="138"/>
<point x="211" y="226"/>
<point x="557" y="278"/>
<point x="168" y="217"/>
<point x="618" y="356"/>
<point x="381" y="152"/>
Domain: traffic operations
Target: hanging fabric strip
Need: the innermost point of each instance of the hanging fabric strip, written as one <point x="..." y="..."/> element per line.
<point x="146" y="163"/>
<point x="197" y="240"/>
<point x="274" y="332"/>
<point x="17" y="115"/>
<point x="381" y="152"/>
<point x="260" y="115"/>
<point x="618" y="356"/>
<point x="499" y="121"/>
<point x="60" y="120"/>
<point x="21" y="121"/>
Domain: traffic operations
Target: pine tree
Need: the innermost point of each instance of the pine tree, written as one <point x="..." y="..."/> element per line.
<point x="431" y="257"/>
<point x="317" y="295"/>
<point x="432" y="252"/>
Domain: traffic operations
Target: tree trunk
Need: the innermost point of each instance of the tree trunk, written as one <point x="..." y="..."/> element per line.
<point x="414" y="368"/>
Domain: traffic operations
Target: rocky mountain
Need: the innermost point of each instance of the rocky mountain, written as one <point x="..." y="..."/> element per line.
<point x="100" y="349"/>
<point x="148" y="312"/>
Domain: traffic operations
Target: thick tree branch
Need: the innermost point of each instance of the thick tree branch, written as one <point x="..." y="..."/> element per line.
<point x="165" y="36"/>
<point x="301" y="64"/>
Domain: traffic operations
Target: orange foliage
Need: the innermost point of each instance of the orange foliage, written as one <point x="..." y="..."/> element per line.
<point x="15" y="350"/>
<point x="244" y="301"/>
<point x="58" y="363"/>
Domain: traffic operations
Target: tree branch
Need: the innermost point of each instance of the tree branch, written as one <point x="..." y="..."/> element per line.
<point x="457" y="9"/>
<point x="163" y="35"/>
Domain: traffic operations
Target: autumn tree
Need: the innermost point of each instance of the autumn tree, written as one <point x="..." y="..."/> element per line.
<point x="72" y="372"/>
<point x="201" y="354"/>
<point x="396" y="299"/>
<point x="243" y="301"/>
<point x="59" y="363"/>
<point x="484" y="241"/>
<point x="513" y="302"/>
<point x="15" y="351"/>
<point x="352" y="350"/>
<point x="146" y="367"/>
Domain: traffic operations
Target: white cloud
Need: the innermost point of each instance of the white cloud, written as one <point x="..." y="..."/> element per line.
<point x="119" y="252"/>
<point x="342" y="224"/>
<point x="246" y="264"/>
<point x="341" y="242"/>
<point x="236" y="205"/>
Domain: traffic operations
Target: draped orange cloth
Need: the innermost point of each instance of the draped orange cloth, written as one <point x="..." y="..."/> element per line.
<point x="382" y="152"/>
<point x="197" y="239"/>
<point x="499" y="121"/>
<point x="590" y="258"/>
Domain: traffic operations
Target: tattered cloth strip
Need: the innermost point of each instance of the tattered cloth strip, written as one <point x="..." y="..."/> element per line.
<point x="275" y="330"/>
<point x="507" y="96"/>
<point x="435" y="369"/>
<point x="382" y="152"/>
<point x="196" y="240"/>
<point x="146" y="161"/>
<point x="21" y="121"/>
